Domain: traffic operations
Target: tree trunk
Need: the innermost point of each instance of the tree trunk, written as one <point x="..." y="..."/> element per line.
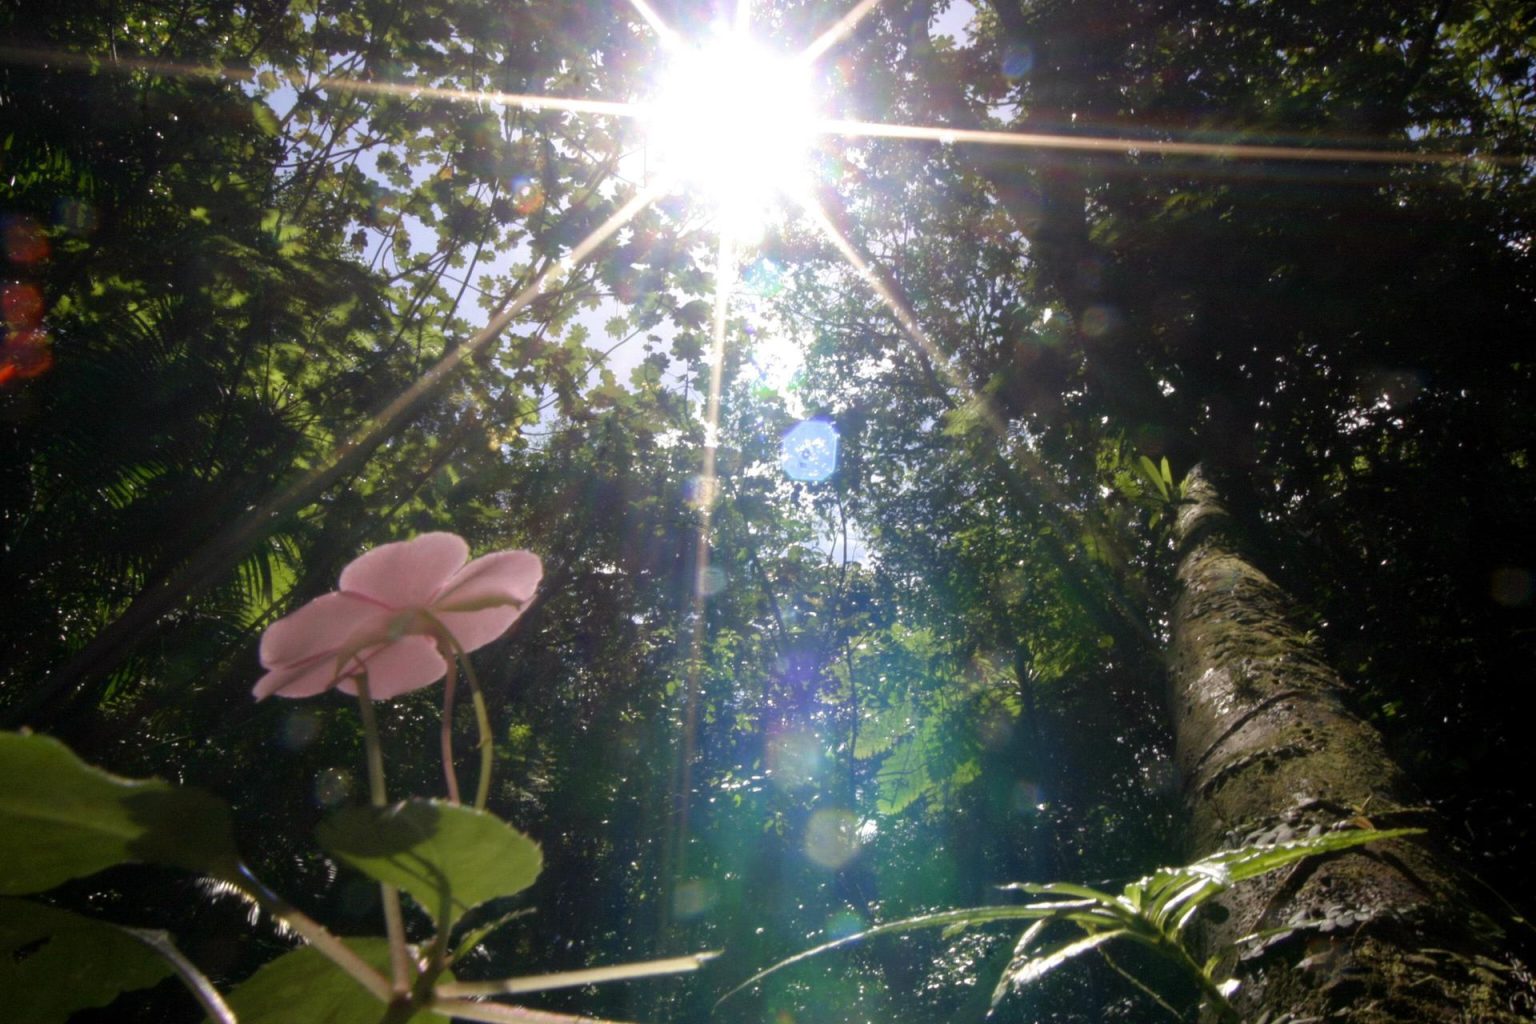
<point x="1268" y="751"/>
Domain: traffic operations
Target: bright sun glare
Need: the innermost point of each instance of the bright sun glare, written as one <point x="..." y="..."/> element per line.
<point x="733" y="122"/>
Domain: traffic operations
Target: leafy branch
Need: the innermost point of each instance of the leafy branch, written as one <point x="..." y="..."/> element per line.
<point x="1152" y="912"/>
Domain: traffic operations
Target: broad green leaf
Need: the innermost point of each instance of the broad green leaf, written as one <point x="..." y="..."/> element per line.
<point x="60" y="818"/>
<point x="303" y="985"/>
<point x="54" y="962"/>
<point x="903" y="777"/>
<point x="449" y="858"/>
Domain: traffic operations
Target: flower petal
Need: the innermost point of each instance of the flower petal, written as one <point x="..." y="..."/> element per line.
<point x="407" y="573"/>
<point x="487" y="595"/>
<point x="474" y="630"/>
<point x="320" y="627"/>
<point x="502" y="577"/>
<point x="409" y="663"/>
<point x="299" y="679"/>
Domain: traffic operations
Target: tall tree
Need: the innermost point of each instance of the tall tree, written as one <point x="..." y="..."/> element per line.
<point x="1236" y="316"/>
<point x="272" y="229"/>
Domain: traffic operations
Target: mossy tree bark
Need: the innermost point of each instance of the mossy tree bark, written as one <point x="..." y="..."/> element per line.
<point x="1268" y="751"/>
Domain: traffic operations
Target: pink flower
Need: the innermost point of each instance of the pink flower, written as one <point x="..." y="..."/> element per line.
<point x="383" y="619"/>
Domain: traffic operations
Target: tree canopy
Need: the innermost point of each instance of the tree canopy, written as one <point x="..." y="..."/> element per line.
<point x="865" y="539"/>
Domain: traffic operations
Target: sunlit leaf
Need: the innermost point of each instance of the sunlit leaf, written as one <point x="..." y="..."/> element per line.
<point x="1035" y="968"/>
<point x="1152" y="475"/>
<point x="949" y="921"/>
<point x="449" y="858"/>
<point x="1020" y="954"/>
<point x="1253" y="861"/>
<point x="1067" y="889"/>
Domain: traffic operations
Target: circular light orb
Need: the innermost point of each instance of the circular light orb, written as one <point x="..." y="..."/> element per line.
<point x="733" y="122"/>
<point x="832" y="838"/>
<point x="809" y="451"/>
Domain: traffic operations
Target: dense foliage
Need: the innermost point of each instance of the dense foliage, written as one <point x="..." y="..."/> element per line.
<point x="251" y="249"/>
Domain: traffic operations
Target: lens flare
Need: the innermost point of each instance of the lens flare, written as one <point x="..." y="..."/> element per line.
<point x="527" y="196"/>
<point x="832" y="838"/>
<point x="24" y="240"/>
<point x="21" y="304"/>
<point x="25" y="354"/>
<point x="794" y="759"/>
<point x="693" y="898"/>
<point x="809" y="452"/>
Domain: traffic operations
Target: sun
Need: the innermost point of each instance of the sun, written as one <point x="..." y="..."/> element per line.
<point x="733" y="122"/>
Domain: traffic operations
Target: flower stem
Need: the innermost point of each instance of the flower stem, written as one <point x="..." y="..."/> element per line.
<point x="394" y="922"/>
<point x="314" y="933"/>
<point x="450" y="776"/>
<point x="374" y="751"/>
<point x="487" y="745"/>
<point x="454" y="654"/>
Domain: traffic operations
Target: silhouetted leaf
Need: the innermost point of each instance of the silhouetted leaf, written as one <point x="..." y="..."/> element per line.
<point x="60" y="818"/>
<point x="54" y="962"/>
<point x="303" y="985"/>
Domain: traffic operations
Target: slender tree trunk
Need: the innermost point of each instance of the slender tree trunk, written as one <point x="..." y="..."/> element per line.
<point x="1268" y="751"/>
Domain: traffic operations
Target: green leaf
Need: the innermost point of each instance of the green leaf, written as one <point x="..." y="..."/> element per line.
<point x="1035" y="968"/>
<point x="903" y="778"/>
<point x="60" y="818"/>
<point x="1020" y="954"/>
<point x="471" y="940"/>
<point x="449" y="858"/>
<point x="1253" y="861"/>
<point x="54" y="962"/>
<point x="1169" y="889"/>
<point x="1081" y="892"/>
<point x="303" y="985"/>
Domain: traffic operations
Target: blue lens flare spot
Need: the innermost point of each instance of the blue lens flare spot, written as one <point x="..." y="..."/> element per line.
<point x="764" y="278"/>
<point x="1017" y="60"/>
<point x="809" y="451"/>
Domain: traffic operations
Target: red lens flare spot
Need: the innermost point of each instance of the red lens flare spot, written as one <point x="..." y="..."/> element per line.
<point x="25" y="355"/>
<point x="21" y="304"/>
<point x="527" y="196"/>
<point x="25" y="240"/>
